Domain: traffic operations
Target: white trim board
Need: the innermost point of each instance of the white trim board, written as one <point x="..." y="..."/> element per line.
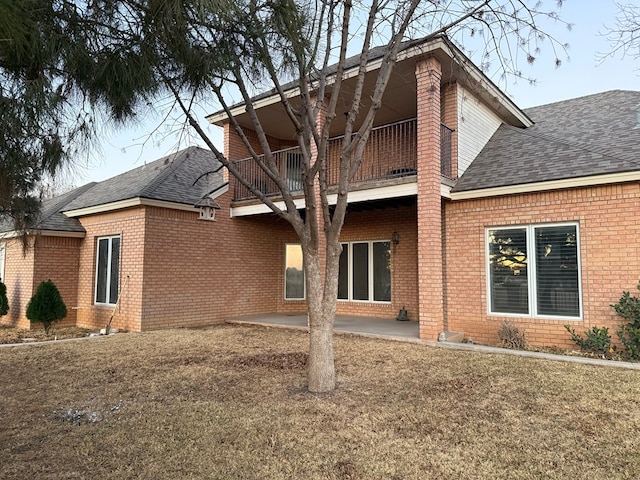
<point x="550" y="185"/>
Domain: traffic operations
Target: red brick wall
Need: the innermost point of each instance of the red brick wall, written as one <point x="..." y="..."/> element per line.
<point x="609" y="229"/>
<point x="449" y="116"/>
<point x="235" y="149"/>
<point x="48" y="258"/>
<point x="380" y="225"/>
<point x="56" y="259"/>
<point x="428" y="75"/>
<point x="18" y="277"/>
<point x="200" y="272"/>
<point x="129" y="224"/>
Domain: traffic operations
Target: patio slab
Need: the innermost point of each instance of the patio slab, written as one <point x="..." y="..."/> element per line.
<point x="410" y="332"/>
<point x="365" y="326"/>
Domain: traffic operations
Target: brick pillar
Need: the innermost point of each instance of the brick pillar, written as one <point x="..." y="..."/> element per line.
<point x="322" y="243"/>
<point x="430" y="291"/>
<point x="449" y="116"/>
<point x="228" y="133"/>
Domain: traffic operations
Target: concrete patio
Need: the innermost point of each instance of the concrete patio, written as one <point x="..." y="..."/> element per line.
<point x="370" y="327"/>
<point x="391" y="329"/>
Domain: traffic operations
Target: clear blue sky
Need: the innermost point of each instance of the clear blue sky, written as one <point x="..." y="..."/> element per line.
<point x="579" y="75"/>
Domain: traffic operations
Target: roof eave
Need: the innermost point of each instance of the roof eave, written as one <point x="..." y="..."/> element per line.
<point x="441" y="48"/>
<point x="588" y="181"/>
<point x="128" y="203"/>
<point x="45" y="233"/>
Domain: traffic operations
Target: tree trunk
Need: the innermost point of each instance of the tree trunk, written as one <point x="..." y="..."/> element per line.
<point x="321" y="310"/>
<point x="321" y="375"/>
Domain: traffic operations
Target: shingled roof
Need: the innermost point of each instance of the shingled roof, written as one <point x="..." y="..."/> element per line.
<point x="592" y="135"/>
<point x="169" y="179"/>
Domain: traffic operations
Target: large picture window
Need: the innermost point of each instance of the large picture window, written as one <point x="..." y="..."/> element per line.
<point x="534" y="270"/>
<point x="293" y="273"/>
<point x="365" y="272"/>
<point x="107" y="270"/>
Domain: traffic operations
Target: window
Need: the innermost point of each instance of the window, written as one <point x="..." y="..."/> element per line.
<point x="293" y="273"/>
<point x="534" y="270"/>
<point x="107" y="270"/>
<point x="365" y="272"/>
<point x="3" y="249"/>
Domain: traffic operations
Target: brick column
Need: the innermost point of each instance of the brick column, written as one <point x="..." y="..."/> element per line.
<point x="228" y="135"/>
<point x="430" y="291"/>
<point x="449" y="116"/>
<point x="322" y="242"/>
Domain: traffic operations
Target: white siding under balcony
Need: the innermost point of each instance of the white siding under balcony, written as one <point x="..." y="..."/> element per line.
<point x="476" y="125"/>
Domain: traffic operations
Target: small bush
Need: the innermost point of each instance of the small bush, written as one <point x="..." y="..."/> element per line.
<point x="46" y="306"/>
<point x="628" y="308"/>
<point x="4" y="302"/>
<point x="597" y="340"/>
<point x="511" y="336"/>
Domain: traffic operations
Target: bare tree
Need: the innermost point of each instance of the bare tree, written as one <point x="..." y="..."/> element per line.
<point x="146" y="49"/>
<point x="318" y="70"/>
<point x="624" y="37"/>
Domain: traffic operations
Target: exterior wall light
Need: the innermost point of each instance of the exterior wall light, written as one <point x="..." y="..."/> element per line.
<point x="395" y="238"/>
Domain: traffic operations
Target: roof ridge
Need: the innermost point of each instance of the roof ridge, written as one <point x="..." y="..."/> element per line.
<point x="581" y="98"/>
<point x="177" y="161"/>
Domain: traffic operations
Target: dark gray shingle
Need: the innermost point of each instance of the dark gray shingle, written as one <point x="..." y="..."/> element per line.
<point x="592" y="135"/>
<point x="169" y="179"/>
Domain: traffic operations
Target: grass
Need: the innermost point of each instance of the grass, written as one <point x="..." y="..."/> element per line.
<point x="230" y="403"/>
<point x="9" y="334"/>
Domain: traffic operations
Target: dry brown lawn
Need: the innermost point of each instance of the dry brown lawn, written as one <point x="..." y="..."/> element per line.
<point x="230" y="403"/>
<point x="9" y="334"/>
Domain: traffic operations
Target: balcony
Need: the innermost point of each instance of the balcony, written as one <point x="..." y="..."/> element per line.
<point x="390" y="153"/>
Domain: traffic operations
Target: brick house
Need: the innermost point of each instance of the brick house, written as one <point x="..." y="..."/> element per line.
<point x="466" y="211"/>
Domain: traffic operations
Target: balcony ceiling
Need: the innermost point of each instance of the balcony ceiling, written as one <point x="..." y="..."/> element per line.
<point x="399" y="101"/>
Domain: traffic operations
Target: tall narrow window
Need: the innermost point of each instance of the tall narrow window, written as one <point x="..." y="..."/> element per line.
<point x="382" y="271"/>
<point x="360" y="269"/>
<point x="107" y="270"/>
<point x="557" y="282"/>
<point x="343" y="274"/>
<point x="508" y="264"/>
<point x="294" y="273"/>
<point x="365" y="272"/>
<point x="534" y="270"/>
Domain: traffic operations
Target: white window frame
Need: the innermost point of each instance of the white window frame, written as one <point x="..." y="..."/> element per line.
<point x="304" y="283"/>
<point x="531" y="271"/>
<point x="108" y="270"/>
<point x="370" y="286"/>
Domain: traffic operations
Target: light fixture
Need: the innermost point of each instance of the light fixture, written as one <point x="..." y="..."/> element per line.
<point x="395" y="238"/>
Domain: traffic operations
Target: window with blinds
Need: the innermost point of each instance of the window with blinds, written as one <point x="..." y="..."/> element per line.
<point x="534" y="270"/>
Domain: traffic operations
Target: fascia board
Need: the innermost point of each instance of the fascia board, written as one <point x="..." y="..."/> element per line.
<point x="132" y="202"/>
<point x="44" y="233"/>
<point x="550" y="185"/>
